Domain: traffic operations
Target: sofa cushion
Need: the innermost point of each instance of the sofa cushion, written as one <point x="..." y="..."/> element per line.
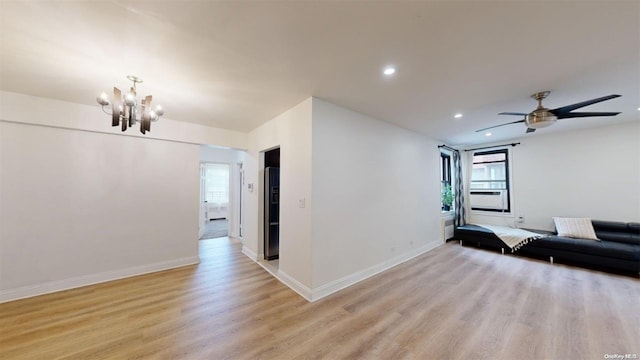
<point x="612" y="226"/>
<point x="477" y="234"/>
<point x="634" y="229"/>
<point x="580" y="228"/>
<point x="600" y="248"/>
<point x="591" y="261"/>
<point x="628" y="233"/>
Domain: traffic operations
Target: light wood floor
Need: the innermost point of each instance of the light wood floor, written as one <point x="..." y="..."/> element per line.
<point x="451" y="303"/>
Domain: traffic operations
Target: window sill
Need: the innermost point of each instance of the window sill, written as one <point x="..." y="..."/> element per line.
<point x="491" y="213"/>
<point x="447" y="214"/>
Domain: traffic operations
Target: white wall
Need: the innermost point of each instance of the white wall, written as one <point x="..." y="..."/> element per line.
<point x="81" y="207"/>
<point x="48" y="112"/>
<point x="376" y="196"/>
<point x="220" y="155"/>
<point x="592" y="173"/>
<point x="81" y="202"/>
<point x="375" y="200"/>
<point x="291" y="131"/>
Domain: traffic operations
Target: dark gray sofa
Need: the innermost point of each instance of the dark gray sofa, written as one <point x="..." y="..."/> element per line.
<point x="618" y="248"/>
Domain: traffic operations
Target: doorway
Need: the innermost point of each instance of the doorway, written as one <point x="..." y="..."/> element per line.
<point x="240" y="186"/>
<point x="271" y="204"/>
<point x="215" y="198"/>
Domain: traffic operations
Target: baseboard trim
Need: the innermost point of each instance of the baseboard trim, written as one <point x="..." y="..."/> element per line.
<point x="294" y="285"/>
<point x="250" y="253"/>
<point x="280" y="275"/>
<point x="312" y="295"/>
<point x="80" y="281"/>
<point x="339" y="284"/>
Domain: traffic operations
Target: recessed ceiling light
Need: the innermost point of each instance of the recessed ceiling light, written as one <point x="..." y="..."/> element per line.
<point x="389" y="70"/>
<point x="638" y="109"/>
<point x="457" y="116"/>
<point x="488" y="134"/>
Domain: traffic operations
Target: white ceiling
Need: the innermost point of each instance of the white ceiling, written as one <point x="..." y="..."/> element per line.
<point x="235" y="65"/>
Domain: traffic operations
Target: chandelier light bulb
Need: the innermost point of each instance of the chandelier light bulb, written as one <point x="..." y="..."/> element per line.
<point x="153" y="116"/>
<point x="103" y="99"/>
<point x="159" y="110"/>
<point x="130" y="99"/>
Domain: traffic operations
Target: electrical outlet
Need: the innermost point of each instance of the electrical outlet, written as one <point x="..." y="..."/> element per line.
<point x="520" y="219"/>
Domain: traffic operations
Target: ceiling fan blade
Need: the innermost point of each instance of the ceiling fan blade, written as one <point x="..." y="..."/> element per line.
<point x="585" y="114"/>
<point x="565" y="109"/>
<point x="513" y="113"/>
<point x="491" y="127"/>
<point x="530" y="130"/>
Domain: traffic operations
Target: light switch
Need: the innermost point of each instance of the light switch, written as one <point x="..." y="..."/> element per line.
<point x="301" y="203"/>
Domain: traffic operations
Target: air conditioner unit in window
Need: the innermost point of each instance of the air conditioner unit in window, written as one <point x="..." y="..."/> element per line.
<point x="488" y="199"/>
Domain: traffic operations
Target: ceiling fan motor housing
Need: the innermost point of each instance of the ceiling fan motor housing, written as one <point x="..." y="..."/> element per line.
<point x="540" y="118"/>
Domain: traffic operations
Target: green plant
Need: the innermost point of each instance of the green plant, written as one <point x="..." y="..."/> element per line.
<point x="447" y="196"/>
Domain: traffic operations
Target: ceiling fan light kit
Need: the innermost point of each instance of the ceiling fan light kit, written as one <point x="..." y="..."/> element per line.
<point x="124" y="110"/>
<point x="542" y="117"/>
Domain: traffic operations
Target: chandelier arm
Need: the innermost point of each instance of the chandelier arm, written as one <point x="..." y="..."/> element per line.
<point x="105" y="111"/>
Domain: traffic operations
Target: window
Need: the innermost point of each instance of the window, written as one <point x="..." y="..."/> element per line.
<point x="445" y="182"/>
<point x="216" y="183"/>
<point x="489" y="188"/>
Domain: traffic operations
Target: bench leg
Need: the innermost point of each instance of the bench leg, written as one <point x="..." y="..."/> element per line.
<point x="502" y="250"/>
<point x="460" y="242"/>
<point x="551" y="259"/>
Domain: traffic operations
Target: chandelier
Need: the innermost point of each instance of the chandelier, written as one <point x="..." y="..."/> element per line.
<point x="124" y="110"/>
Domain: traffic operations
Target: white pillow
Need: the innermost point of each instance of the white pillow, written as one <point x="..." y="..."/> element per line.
<point x="580" y="228"/>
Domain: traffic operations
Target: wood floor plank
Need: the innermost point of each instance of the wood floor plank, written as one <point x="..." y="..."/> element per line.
<point x="451" y="303"/>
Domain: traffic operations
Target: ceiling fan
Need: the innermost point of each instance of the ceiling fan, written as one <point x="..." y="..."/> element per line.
<point x="543" y="117"/>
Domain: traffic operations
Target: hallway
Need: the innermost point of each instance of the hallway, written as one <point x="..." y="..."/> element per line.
<point x="215" y="229"/>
